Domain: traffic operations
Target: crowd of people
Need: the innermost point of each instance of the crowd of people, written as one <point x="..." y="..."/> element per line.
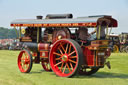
<point x="9" y="44"/>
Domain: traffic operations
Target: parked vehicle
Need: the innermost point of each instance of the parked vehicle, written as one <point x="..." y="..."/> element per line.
<point x="64" y="52"/>
<point x="114" y="43"/>
<point x="123" y="42"/>
<point x="16" y="45"/>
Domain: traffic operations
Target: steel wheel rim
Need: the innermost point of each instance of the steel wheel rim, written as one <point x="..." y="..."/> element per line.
<point x="64" y="61"/>
<point x="23" y="61"/>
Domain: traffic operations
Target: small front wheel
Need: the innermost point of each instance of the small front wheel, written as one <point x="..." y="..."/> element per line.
<point x="25" y="61"/>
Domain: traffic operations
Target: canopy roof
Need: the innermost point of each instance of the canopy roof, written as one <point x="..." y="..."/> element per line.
<point x="90" y="21"/>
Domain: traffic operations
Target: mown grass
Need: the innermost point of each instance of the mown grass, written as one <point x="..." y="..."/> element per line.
<point x="10" y="74"/>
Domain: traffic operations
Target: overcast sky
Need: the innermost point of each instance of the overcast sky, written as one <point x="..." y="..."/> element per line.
<point x="27" y="9"/>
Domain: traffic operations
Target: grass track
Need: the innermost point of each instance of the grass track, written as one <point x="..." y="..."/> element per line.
<point x="10" y="75"/>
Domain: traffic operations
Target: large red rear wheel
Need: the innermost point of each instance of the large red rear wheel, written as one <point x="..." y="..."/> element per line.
<point x="25" y="61"/>
<point x="65" y="57"/>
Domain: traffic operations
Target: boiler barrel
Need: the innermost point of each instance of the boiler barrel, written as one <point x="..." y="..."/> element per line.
<point x="36" y="47"/>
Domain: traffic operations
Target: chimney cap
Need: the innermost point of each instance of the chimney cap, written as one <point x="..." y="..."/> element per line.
<point x="39" y="17"/>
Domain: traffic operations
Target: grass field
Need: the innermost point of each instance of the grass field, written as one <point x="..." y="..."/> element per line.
<point x="10" y="75"/>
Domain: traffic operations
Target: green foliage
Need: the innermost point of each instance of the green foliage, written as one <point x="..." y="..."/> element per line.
<point x="6" y="33"/>
<point x="10" y="74"/>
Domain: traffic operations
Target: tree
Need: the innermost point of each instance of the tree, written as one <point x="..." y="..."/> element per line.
<point x="6" y="33"/>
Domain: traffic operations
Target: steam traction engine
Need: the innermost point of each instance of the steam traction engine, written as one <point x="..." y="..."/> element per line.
<point x="62" y="43"/>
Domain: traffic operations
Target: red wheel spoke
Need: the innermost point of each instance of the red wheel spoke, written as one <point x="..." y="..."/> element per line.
<point x="71" y="65"/>
<point x="62" y="47"/>
<point x="23" y="58"/>
<point x="68" y="67"/>
<point x="56" y="53"/>
<point x="58" y="63"/>
<point x="64" y="68"/>
<point x="69" y="48"/>
<point x="72" y="61"/>
<point x="26" y="65"/>
<point x="23" y="66"/>
<point x="66" y="48"/>
<point x="73" y="57"/>
<point x="27" y="60"/>
<point x="61" y="51"/>
<point x="58" y="58"/>
<point x="25" y="55"/>
<point x="71" y="53"/>
<point x="62" y="65"/>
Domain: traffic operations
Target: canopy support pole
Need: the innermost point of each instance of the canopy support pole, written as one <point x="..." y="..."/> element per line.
<point x="20" y="32"/>
<point x="16" y="31"/>
<point x="107" y="32"/>
<point x="110" y="31"/>
<point x="37" y="35"/>
<point x="99" y="31"/>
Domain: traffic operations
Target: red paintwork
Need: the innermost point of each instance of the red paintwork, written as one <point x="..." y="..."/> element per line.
<point x="43" y="46"/>
<point x="57" y="25"/>
<point x="44" y="54"/>
<point x="34" y="54"/>
<point x="113" y="23"/>
<point x="88" y="56"/>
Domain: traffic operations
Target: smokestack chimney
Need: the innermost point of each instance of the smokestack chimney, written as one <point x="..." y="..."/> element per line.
<point x="39" y="17"/>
